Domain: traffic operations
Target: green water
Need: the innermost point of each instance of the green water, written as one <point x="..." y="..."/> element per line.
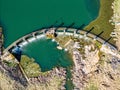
<point x="46" y="54"/>
<point x="20" y="17"/>
<point x="69" y="84"/>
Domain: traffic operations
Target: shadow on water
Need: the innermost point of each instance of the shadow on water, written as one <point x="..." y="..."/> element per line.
<point x="81" y="27"/>
<point x="16" y="51"/>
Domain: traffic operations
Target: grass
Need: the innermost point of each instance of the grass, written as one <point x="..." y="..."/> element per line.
<point x="31" y="68"/>
<point x="69" y="84"/>
<point x="98" y="44"/>
<point x="92" y="86"/>
<point x="103" y="58"/>
<point x="63" y="40"/>
<point x="54" y="84"/>
<point x="101" y="23"/>
<point x="10" y="63"/>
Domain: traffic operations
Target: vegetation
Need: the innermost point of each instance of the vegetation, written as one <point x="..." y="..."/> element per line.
<point x="91" y="86"/>
<point x="10" y="63"/>
<point x="54" y="84"/>
<point x="63" y="40"/>
<point x="98" y="44"/>
<point x="69" y="84"/>
<point x="103" y="58"/>
<point x="49" y="36"/>
<point x="102" y="21"/>
<point x="31" y="68"/>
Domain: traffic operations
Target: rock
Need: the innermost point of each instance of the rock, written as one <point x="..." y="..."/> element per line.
<point x="91" y="60"/>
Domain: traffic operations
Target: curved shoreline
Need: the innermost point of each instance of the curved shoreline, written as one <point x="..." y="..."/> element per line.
<point x="101" y="23"/>
<point x="61" y="30"/>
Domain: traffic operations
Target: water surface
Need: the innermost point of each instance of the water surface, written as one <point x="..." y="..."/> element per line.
<point x="46" y="54"/>
<point x="20" y="17"/>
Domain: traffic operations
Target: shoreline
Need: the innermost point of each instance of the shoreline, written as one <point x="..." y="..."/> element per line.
<point x="61" y="30"/>
<point x="83" y="69"/>
<point x="1" y="41"/>
<point x="101" y="23"/>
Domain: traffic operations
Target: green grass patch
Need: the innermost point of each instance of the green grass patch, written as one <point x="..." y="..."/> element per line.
<point x="92" y="86"/>
<point x="10" y="63"/>
<point x="98" y="44"/>
<point x="31" y="68"/>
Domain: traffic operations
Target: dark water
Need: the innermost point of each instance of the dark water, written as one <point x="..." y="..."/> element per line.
<point x="20" y="17"/>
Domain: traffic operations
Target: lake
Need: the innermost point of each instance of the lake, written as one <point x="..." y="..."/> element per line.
<point x="20" y="17"/>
